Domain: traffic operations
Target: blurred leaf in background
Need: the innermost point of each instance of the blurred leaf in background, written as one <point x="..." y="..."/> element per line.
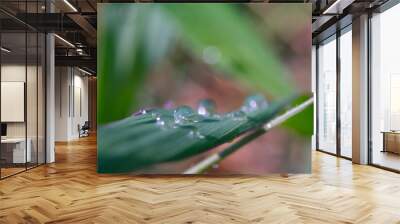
<point x="132" y="38"/>
<point x="239" y="50"/>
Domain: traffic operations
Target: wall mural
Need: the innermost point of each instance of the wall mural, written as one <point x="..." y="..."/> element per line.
<point x="201" y="88"/>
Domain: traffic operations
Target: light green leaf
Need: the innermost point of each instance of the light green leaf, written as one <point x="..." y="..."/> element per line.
<point x="242" y="52"/>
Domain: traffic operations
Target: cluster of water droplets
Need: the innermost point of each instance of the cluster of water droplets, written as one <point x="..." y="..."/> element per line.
<point x="185" y="116"/>
<point x="182" y="116"/>
<point x="162" y="118"/>
<point x="195" y="134"/>
<point x="251" y="104"/>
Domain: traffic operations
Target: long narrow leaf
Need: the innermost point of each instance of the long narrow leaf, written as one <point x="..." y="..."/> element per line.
<point x="140" y="141"/>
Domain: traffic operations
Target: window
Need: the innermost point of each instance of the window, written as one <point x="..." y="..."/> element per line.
<point x="385" y="89"/>
<point x="346" y="92"/>
<point x="327" y="95"/>
<point x="22" y="78"/>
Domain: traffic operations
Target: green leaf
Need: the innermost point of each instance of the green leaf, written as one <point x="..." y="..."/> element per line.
<point x="140" y="141"/>
<point x="129" y="45"/>
<point x="229" y="29"/>
<point x="302" y="123"/>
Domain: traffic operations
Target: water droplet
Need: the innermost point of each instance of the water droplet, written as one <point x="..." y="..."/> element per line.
<point x="269" y="126"/>
<point x="156" y="112"/>
<point x="254" y="102"/>
<point x="215" y="166"/>
<point x="236" y="115"/>
<point x="160" y="121"/>
<point x="165" y="121"/>
<point x="206" y="107"/>
<point x="200" y="135"/>
<point x="184" y="114"/>
<point x="195" y="134"/>
<point x="211" y="55"/>
<point x="140" y="112"/>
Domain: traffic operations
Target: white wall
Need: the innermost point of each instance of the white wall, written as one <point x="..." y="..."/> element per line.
<point x="62" y="82"/>
<point x="16" y="73"/>
<point x="34" y="126"/>
<point x="13" y="101"/>
<point x="80" y="102"/>
<point x="71" y="102"/>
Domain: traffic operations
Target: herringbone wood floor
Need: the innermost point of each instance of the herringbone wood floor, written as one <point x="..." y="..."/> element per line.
<point x="70" y="191"/>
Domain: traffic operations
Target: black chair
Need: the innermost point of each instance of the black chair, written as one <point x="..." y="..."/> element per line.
<point x="84" y="130"/>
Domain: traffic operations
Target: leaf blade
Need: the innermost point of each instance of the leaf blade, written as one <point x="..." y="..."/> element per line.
<point x="132" y="151"/>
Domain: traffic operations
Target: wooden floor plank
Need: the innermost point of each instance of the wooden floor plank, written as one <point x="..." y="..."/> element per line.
<point x="70" y="191"/>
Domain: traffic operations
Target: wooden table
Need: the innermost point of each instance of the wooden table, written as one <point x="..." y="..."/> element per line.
<point x="391" y="141"/>
<point x="13" y="150"/>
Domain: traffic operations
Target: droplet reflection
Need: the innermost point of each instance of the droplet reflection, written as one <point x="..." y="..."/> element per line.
<point x="236" y="115"/>
<point x="206" y="107"/>
<point x="140" y="112"/>
<point x="165" y="121"/>
<point x="184" y="115"/>
<point x="195" y="134"/>
<point x="253" y="103"/>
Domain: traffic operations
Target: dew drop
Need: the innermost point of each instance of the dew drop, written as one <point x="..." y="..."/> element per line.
<point x="155" y="112"/>
<point x="164" y="121"/>
<point x="160" y="121"/>
<point x="254" y="102"/>
<point x="269" y="126"/>
<point x="140" y="112"/>
<point x="236" y="115"/>
<point x="206" y="107"/>
<point x="195" y="134"/>
<point x="183" y="115"/>
<point x="200" y="135"/>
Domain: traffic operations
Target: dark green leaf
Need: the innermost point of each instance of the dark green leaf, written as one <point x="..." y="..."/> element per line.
<point x="139" y="141"/>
